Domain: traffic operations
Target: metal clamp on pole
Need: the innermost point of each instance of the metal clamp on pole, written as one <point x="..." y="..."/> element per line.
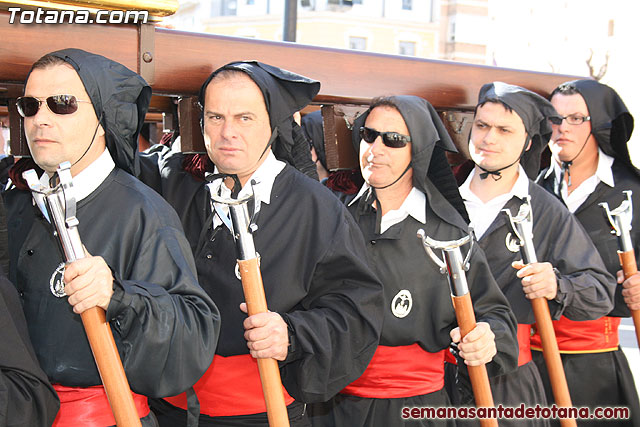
<point x="620" y="219"/>
<point x="242" y="229"/>
<point x="522" y="228"/>
<point x="58" y="205"/>
<point x="454" y="266"/>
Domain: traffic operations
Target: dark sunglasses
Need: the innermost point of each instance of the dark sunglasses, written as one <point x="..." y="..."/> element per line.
<point x="58" y="104"/>
<point x="390" y="139"/>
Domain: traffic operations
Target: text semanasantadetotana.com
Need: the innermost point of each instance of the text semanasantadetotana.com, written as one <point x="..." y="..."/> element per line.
<point x="517" y="412"/>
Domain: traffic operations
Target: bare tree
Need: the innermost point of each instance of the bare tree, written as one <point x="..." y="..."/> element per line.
<point x="603" y="67"/>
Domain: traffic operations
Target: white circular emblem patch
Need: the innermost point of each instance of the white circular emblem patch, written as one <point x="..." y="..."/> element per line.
<point x="56" y="282"/>
<point x="512" y="243"/>
<point x="401" y="304"/>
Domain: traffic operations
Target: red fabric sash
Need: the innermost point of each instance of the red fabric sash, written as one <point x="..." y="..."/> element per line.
<point x="450" y="358"/>
<point x="524" y="344"/>
<point x="587" y="336"/>
<point x="402" y="371"/>
<point x="89" y="407"/>
<point x="231" y="386"/>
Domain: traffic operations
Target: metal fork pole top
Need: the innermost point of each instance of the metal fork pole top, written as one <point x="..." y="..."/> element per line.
<point x="60" y="209"/>
<point x="620" y="219"/>
<point x="452" y="264"/>
<point x="242" y="226"/>
<point x="522" y="227"/>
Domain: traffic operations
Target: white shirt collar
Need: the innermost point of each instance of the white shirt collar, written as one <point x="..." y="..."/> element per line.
<point x="603" y="173"/>
<point x="263" y="177"/>
<point x="414" y="204"/>
<point x="483" y="214"/>
<point x="520" y="188"/>
<point x="365" y="187"/>
<point x="90" y="178"/>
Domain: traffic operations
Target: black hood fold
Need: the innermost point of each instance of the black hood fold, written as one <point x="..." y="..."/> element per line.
<point x="284" y="93"/>
<point x="120" y="98"/>
<point x="611" y="122"/>
<point x="429" y="142"/>
<point x="535" y="112"/>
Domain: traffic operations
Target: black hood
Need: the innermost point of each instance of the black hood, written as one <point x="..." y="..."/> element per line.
<point x="611" y="122"/>
<point x="120" y="98"/>
<point x="534" y="111"/>
<point x="284" y="93"/>
<point x="429" y="142"/>
<point x="313" y="128"/>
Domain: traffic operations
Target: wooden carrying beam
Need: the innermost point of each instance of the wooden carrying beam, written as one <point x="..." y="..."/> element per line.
<point x="179" y="62"/>
<point x="184" y="60"/>
<point x="191" y="139"/>
<point x="337" y="124"/>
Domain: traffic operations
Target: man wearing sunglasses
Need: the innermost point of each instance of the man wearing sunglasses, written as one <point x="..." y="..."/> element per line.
<point x="510" y="128"/>
<point x="591" y="165"/>
<point x="87" y="110"/>
<point x="409" y="186"/>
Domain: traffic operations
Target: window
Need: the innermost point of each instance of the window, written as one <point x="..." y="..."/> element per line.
<point x="251" y="2"/>
<point x="407" y="4"/>
<point x="611" y="28"/>
<point x="407" y="48"/>
<point x="341" y="2"/>
<point x="225" y="7"/>
<point x="358" y="43"/>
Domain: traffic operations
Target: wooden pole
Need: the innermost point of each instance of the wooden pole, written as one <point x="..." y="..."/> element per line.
<point x="629" y="268"/>
<point x="110" y="367"/>
<point x="522" y="226"/>
<point x="552" y="358"/>
<point x="478" y="374"/>
<point x="269" y="371"/>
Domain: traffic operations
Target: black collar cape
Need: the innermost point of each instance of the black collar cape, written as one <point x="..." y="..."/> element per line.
<point x="429" y="142"/>
<point x="534" y="111"/>
<point x="120" y="98"/>
<point x="611" y="122"/>
<point x="284" y="93"/>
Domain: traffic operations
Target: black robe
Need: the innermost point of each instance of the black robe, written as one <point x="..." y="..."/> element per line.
<point x="595" y="222"/>
<point x="585" y="288"/>
<point x="164" y="324"/>
<point x="314" y="274"/>
<point x="609" y="370"/>
<point x="26" y="397"/>
<point x="399" y="259"/>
